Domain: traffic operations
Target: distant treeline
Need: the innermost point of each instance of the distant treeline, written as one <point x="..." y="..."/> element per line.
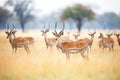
<point x="108" y="20"/>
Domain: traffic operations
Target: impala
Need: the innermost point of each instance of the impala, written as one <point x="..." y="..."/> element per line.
<point x="50" y="42"/>
<point x="69" y="47"/>
<point x="118" y="38"/>
<point x="109" y="35"/>
<point x="106" y="42"/>
<point x="100" y="42"/>
<point x="89" y="41"/>
<point x="58" y="35"/>
<point x="18" y="42"/>
<point x="76" y="36"/>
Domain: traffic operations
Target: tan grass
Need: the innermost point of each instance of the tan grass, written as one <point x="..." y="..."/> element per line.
<point x="43" y="64"/>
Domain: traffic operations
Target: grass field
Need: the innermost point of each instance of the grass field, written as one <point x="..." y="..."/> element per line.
<point x="43" y="64"/>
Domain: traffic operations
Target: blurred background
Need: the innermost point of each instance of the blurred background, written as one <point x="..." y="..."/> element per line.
<point x="77" y="14"/>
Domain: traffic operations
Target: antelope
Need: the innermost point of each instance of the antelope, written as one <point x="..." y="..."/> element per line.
<point x="108" y="36"/>
<point x="50" y="42"/>
<point x="118" y="38"/>
<point x="18" y="42"/>
<point x="76" y="36"/>
<point x="89" y="41"/>
<point x="69" y="47"/>
<point x="106" y="42"/>
<point x="60" y="34"/>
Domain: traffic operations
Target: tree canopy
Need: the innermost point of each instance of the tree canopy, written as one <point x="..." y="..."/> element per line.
<point x="77" y="12"/>
<point x="4" y="15"/>
<point x="23" y="10"/>
<point x="109" y="20"/>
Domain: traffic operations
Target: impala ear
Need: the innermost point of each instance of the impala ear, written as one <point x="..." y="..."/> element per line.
<point x="100" y="33"/>
<point x="14" y="32"/>
<point x="94" y="32"/>
<point x="6" y="32"/>
<point x="61" y="33"/>
<point x="47" y="30"/>
<point x="42" y="31"/>
<point x="89" y="34"/>
<point x="53" y="33"/>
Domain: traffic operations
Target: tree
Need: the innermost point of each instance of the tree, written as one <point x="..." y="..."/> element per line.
<point x="4" y="15"/>
<point x="109" y="20"/>
<point x="77" y="12"/>
<point x="23" y="9"/>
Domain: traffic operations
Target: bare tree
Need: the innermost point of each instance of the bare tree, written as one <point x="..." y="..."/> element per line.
<point x="22" y="9"/>
<point x="4" y="15"/>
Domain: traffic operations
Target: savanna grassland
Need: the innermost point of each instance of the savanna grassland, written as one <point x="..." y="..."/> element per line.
<point x="49" y="64"/>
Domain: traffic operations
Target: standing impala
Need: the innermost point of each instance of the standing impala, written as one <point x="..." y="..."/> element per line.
<point x="69" y="47"/>
<point x="89" y="41"/>
<point x="100" y="43"/>
<point x="118" y="38"/>
<point x="18" y="42"/>
<point x="50" y="42"/>
<point x="76" y="36"/>
<point x="106" y="42"/>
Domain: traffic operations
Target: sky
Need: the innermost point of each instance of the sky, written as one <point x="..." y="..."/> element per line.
<point x="45" y="7"/>
<point x="99" y="6"/>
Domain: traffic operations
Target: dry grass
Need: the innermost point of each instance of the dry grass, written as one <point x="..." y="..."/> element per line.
<point x="43" y="64"/>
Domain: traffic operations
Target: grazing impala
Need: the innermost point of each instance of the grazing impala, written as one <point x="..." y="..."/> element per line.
<point x="106" y="42"/>
<point x="69" y="47"/>
<point x="118" y="38"/>
<point x="18" y="42"/>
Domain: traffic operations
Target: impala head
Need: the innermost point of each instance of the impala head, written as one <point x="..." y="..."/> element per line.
<point x="57" y="35"/>
<point x="92" y="34"/>
<point x="10" y="32"/>
<point x="109" y="35"/>
<point x="101" y="36"/>
<point x="45" y="31"/>
<point x="117" y="35"/>
<point x="76" y="36"/>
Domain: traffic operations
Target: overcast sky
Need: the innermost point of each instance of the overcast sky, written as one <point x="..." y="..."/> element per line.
<point x="99" y="6"/>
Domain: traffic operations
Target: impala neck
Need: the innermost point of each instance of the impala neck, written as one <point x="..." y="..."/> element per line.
<point x="12" y="40"/>
<point x="58" y="41"/>
<point x="46" y="39"/>
<point x="91" y="39"/>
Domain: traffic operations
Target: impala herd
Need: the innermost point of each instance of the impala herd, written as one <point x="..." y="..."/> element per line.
<point x="63" y="43"/>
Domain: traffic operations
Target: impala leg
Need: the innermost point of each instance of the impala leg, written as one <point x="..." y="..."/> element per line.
<point x="27" y="49"/>
<point x="12" y="49"/>
<point x="67" y="57"/>
<point x="112" y="47"/>
<point x="109" y="48"/>
<point x="15" y="50"/>
<point x="58" y="49"/>
<point x="85" y="56"/>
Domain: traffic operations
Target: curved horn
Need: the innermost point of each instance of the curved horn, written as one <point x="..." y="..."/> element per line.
<point x="89" y="31"/>
<point x="108" y="32"/>
<point x="55" y="27"/>
<point x="7" y="27"/>
<point x="12" y="28"/>
<point x="47" y="28"/>
<point x="44" y="27"/>
<point x="63" y="28"/>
